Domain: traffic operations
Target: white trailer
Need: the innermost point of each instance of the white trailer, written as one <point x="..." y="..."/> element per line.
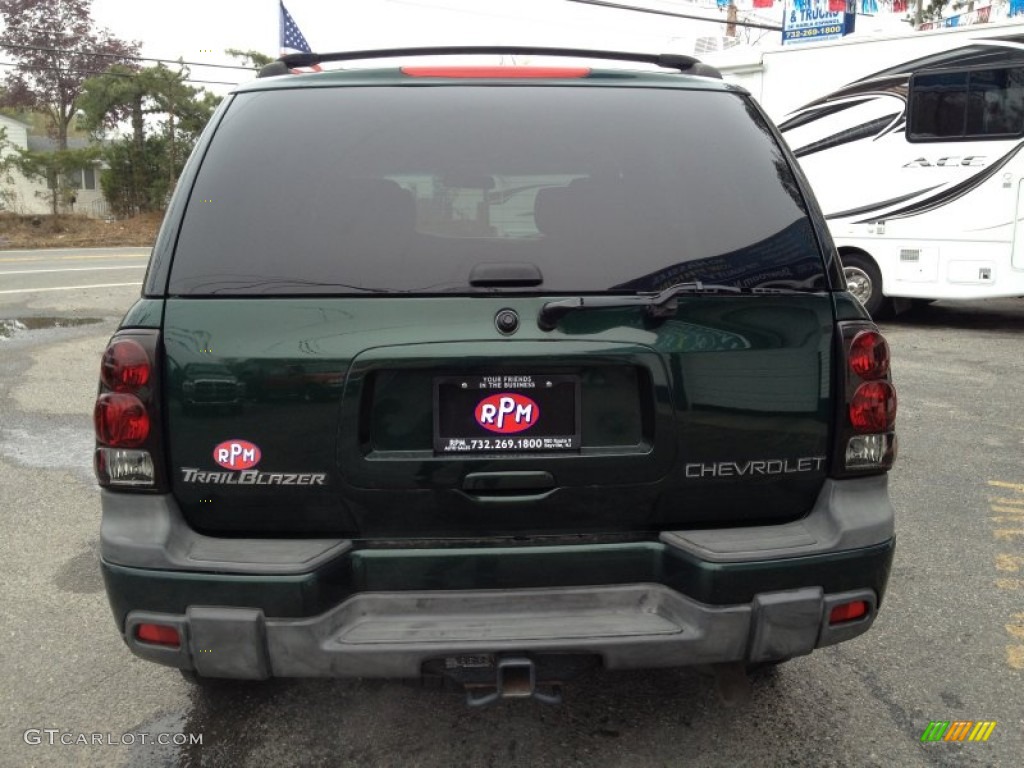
<point x="912" y="144"/>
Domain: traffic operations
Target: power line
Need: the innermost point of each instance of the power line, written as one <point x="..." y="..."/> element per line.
<point x="114" y="74"/>
<point x="617" y="6"/>
<point x="124" y="57"/>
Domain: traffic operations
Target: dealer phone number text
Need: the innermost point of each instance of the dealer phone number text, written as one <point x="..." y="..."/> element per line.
<point x="836" y="29"/>
<point x="507" y="444"/>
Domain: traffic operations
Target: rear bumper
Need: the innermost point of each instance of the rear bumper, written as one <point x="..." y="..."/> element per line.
<point x="395" y="634"/>
<point x="329" y="608"/>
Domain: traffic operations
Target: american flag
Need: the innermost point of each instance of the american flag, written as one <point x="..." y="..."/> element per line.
<point x="292" y="39"/>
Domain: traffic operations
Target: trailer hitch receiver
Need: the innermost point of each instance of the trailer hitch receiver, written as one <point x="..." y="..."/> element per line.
<point x="516" y="678"/>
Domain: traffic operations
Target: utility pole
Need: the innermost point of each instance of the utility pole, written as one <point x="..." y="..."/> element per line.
<point x="730" y="19"/>
<point x="918" y="11"/>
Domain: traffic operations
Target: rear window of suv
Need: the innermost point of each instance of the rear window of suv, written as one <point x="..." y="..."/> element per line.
<point x="405" y="189"/>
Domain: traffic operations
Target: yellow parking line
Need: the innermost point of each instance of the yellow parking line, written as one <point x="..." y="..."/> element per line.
<point x="1007" y="534"/>
<point x="1007" y="510"/>
<point x="1019" y="487"/>
<point x="1009" y="563"/>
<point x="1015" y="653"/>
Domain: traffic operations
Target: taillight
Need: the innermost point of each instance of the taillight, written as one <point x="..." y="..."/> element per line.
<point x="873" y="407"/>
<point x="869" y="355"/>
<point x="121" y="420"/>
<point x="115" y="466"/>
<point x="126" y="415"/>
<point x="125" y="366"/>
<point x="865" y="440"/>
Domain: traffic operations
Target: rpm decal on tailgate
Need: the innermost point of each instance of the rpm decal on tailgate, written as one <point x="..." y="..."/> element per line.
<point x="507" y="413"/>
<point x="239" y="457"/>
<point x="237" y="454"/>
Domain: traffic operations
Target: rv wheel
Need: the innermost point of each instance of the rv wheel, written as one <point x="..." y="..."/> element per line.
<point x="864" y="281"/>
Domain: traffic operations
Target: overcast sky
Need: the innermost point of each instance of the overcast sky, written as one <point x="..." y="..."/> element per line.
<point x="193" y="28"/>
<point x="200" y="30"/>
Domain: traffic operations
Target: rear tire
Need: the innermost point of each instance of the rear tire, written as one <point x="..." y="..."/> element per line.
<point x="864" y="281"/>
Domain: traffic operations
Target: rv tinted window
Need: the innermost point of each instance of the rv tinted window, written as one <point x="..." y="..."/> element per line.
<point x="979" y="104"/>
<point x="407" y="189"/>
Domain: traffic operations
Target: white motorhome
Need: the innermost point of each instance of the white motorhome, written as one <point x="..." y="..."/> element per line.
<point x="913" y="147"/>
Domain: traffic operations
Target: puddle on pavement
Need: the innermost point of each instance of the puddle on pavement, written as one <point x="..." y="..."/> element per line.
<point x="48" y="446"/>
<point x="12" y="325"/>
<point x="81" y="574"/>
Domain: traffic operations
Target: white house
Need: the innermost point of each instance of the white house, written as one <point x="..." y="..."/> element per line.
<point x="21" y="195"/>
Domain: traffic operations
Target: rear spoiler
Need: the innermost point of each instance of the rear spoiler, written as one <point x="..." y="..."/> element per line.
<point x="680" y="62"/>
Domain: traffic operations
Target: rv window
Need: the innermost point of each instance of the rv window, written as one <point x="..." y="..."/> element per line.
<point x="978" y="104"/>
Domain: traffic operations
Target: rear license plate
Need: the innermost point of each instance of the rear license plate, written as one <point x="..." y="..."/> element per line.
<point x="506" y="413"/>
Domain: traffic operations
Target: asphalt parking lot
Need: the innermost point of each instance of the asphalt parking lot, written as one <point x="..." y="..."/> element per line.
<point x="948" y="645"/>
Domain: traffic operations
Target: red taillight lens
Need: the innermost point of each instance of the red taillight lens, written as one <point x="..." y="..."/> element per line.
<point x="125" y="366"/>
<point x="869" y="355"/>
<point x="160" y="634"/>
<point x="121" y="420"/>
<point x="873" y="407"/>
<point x="848" y="612"/>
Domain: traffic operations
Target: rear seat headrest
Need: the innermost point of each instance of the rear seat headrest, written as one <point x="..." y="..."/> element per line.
<point x="585" y="206"/>
<point x="377" y="202"/>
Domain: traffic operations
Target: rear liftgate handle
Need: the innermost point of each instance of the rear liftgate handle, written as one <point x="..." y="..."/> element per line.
<point x="508" y="486"/>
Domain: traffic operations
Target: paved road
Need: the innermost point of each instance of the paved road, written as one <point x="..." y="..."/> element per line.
<point x="29" y="272"/>
<point x="949" y="643"/>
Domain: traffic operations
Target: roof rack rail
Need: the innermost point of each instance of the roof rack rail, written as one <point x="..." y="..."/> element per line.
<point x="678" y="61"/>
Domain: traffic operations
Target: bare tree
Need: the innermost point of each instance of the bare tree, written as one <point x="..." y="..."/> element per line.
<point x="56" y="47"/>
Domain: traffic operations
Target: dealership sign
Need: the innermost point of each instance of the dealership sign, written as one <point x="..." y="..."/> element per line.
<point x="806" y="21"/>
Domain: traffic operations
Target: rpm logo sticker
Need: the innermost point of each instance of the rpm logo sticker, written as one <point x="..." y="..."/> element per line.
<point x="507" y="413"/>
<point x="237" y="454"/>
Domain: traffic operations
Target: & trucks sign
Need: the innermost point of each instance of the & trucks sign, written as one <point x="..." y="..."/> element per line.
<point x="809" y="22"/>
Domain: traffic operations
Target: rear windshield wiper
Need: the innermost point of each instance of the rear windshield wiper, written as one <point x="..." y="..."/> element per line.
<point x="263" y="285"/>
<point x="658" y="304"/>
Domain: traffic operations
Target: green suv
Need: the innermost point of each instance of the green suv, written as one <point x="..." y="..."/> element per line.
<point x="493" y="373"/>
